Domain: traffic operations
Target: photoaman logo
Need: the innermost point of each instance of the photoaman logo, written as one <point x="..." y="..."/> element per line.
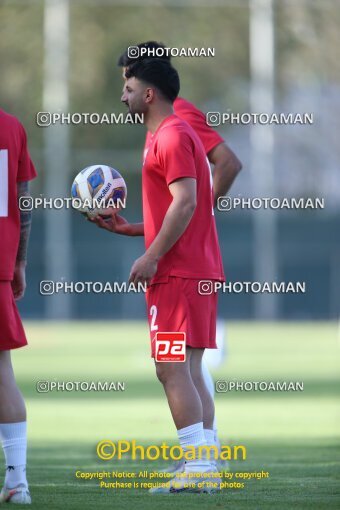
<point x="170" y="347"/>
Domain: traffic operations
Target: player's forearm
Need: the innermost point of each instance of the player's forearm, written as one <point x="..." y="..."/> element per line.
<point x="226" y="167"/>
<point x="136" y="229"/>
<point x="175" y="223"/>
<point x="224" y="175"/>
<point x="25" y="224"/>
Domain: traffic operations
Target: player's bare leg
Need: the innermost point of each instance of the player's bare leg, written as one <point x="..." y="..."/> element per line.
<point x="12" y="406"/>
<point x="183" y="398"/>
<point x="198" y="380"/>
<point x="13" y="434"/>
<point x="185" y="406"/>
<point x="214" y="358"/>
<point x="187" y="412"/>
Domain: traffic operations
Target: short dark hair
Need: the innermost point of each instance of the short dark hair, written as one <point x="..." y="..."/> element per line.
<point x="159" y="73"/>
<point x="125" y="60"/>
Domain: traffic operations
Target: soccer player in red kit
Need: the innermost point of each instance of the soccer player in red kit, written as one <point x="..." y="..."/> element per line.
<point x="16" y="169"/>
<point x="226" y="167"/>
<point x="225" y="162"/>
<point x="181" y="249"/>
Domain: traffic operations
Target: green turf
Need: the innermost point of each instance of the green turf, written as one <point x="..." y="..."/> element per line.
<point x="293" y="436"/>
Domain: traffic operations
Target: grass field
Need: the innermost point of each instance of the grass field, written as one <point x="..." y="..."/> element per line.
<point x="294" y="436"/>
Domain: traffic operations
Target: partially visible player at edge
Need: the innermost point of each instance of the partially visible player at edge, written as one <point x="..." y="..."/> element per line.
<point x="181" y="248"/>
<point x="16" y="169"/>
<point x="226" y="167"/>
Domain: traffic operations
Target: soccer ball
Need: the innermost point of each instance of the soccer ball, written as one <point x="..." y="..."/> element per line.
<point x="98" y="189"/>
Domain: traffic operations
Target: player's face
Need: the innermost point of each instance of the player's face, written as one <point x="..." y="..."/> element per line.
<point x="134" y="96"/>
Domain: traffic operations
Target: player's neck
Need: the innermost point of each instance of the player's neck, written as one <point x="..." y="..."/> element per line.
<point x="154" y="119"/>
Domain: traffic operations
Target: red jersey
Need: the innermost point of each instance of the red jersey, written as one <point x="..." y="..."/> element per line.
<point x="193" y="116"/>
<point x="175" y="151"/>
<point x="15" y="166"/>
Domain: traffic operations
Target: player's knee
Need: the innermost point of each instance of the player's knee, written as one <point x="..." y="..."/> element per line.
<point x="161" y="373"/>
<point x="165" y="372"/>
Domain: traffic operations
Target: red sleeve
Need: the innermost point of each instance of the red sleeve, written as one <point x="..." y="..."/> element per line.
<point x="175" y="154"/>
<point x="197" y="120"/>
<point x="26" y="169"/>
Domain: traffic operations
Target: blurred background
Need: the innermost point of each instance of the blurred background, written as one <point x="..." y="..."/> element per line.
<point x="271" y="56"/>
<point x="278" y="56"/>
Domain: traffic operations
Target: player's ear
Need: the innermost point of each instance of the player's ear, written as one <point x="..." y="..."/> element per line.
<point x="149" y="94"/>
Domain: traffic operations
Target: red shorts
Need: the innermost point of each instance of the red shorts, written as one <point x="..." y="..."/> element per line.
<point x="12" y="334"/>
<point x="177" y="306"/>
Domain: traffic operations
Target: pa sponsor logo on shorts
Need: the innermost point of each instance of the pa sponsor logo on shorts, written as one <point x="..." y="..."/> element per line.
<point x="170" y="347"/>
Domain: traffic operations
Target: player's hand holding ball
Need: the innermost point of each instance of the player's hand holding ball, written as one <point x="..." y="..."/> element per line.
<point x="99" y="192"/>
<point x="113" y="222"/>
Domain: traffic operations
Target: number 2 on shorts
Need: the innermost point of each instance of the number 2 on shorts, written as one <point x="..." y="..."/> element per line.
<point x="153" y="314"/>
